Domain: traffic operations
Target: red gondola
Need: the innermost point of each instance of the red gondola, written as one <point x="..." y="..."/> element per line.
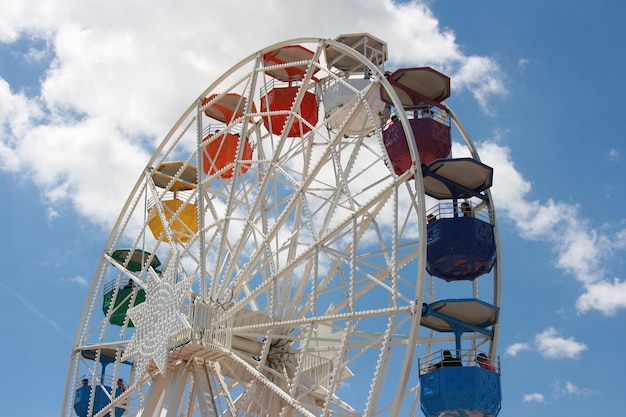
<point x="281" y="99"/>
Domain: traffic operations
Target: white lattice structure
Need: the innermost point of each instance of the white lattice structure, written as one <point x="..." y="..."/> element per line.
<point x="293" y="257"/>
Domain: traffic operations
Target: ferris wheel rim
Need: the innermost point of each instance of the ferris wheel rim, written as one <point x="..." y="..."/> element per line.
<point x="413" y="308"/>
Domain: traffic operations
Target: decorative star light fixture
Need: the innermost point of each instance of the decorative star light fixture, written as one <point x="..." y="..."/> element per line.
<point x="158" y="319"/>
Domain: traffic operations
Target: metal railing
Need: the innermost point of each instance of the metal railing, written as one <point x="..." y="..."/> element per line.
<point x="464" y="357"/>
<point x="207" y="328"/>
<point x="449" y="209"/>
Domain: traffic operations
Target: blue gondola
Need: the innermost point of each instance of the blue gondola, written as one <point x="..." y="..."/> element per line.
<point x="102" y="394"/>
<point x="460" y="391"/>
<point x="461" y="242"/>
<point x="101" y="400"/>
<point x="472" y="387"/>
<point x="460" y="248"/>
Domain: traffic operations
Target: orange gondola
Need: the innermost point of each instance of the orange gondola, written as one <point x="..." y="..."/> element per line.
<point x="221" y="151"/>
<point x="227" y="107"/>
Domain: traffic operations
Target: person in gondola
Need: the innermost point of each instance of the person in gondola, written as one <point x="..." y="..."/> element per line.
<point x="449" y="360"/>
<point x="427" y="112"/>
<point x="120" y="385"/>
<point x="484" y="363"/>
<point x="466" y="209"/>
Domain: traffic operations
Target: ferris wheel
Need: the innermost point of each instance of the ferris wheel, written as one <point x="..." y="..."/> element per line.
<point x="302" y="243"/>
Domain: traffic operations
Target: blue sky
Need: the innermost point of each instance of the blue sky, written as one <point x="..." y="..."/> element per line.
<point x="87" y="90"/>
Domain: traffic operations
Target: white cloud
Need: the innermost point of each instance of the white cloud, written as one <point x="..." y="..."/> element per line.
<point x="551" y="345"/>
<point x="568" y="389"/>
<point x="123" y="72"/>
<point x="613" y="155"/>
<point x="18" y="115"/>
<point x="38" y="53"/>
<point x="515" y="348"/>
<point x="580" y="249"/>
<point x="605" y="296"/>
<point x="482" y="76"/>
<point x="534" y="397"/>
<point x="89" y="164"/>
<point x="81" y="281"/>
<point x="522" y="63"/>
<point x="51" y="214"/>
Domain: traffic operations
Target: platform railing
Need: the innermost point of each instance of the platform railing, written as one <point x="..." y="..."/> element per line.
<point x="189" y="196"/>
<point x="466" y="357"/>
<point x="207" y="328"/>
<point x="430" y="112"/>
<point x="217" y="128"/>
<point x="448" y="209"/>
<point x="318" y="368"/>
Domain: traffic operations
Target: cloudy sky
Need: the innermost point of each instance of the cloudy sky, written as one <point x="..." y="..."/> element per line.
<point x="87" y="90"/>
